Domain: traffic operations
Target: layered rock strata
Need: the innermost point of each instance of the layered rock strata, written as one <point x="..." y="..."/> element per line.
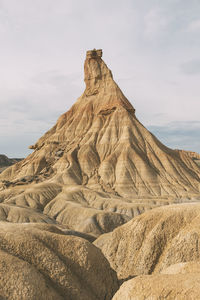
<point x="98" y="167"/>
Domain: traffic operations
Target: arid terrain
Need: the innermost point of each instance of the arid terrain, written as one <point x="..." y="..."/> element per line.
<point x="101" y="209"/>
<point x="5" y="162"/>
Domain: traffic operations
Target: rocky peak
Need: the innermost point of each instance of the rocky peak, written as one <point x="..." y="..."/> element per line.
<point x="100" y="144"/>
<point x="96" y="72"/>
<point x="94" y="53"/>
<point x="101" y="90"/>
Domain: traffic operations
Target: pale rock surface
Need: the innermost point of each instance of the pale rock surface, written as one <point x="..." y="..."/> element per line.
<point x="98" y="167"/>
<point x="17" y="214"/>
<point x="181" y="281"/>
<point x="183" y="268"/>
<point x="38" y="261"/>
<point x="68" y="208"/>
<point x="194" y="155"/>
<point x="160" y="287"/>
<point x="154" y="240"/>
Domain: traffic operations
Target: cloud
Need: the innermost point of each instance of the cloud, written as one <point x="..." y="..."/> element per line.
<point x="179" y="135"/>
<point x="145" y="44"/>
<point x="13" y="147"/>
<point x="56" y="78"/>
<point x="191" y="67"/>
<point x="194" y="26"/>
<point x="155" y="22"/>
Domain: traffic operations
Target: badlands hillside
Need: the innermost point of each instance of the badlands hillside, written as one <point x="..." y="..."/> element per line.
<point x="194" y="155"/>
<point x="100" y="174"/>
<point x="6" y="162"/>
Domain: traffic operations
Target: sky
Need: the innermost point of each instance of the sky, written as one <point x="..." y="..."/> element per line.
<point x="151" y="46"/>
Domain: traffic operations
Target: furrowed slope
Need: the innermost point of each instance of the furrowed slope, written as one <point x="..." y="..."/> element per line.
<point x="99" y="158"/>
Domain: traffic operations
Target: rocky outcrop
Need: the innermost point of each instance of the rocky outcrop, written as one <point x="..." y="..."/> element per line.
<point x="156" y="287"/>
<point x="194" y="155"/>
<point x="6" y="162"/>
<point x="153" y="241"/>
<point x="99" y="166"/>
<point x="41" y="262"/>
<point x="100" y="143"/>
<point x="181" y="281"/>
<point x="18" y="214"/>
<point x="90" y="176"/>
<point x="183" y="268"/>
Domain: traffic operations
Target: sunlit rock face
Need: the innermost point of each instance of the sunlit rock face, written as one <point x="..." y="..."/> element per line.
<point x="168" y="287"/>
<point x="153" y="241"/>
<point x="38" y="261"/>
<point x="99" y="166"/>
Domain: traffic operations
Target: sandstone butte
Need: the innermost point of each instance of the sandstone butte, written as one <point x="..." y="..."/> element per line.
<point x="98" y="166"/>
<point x="100" y="174"/>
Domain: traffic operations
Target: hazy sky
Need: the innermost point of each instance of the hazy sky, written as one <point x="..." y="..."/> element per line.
<point x="151" y="46"/>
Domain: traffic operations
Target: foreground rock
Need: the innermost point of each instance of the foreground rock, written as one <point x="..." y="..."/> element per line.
<point x="183" y="268"/>
<point x="157" y="287"/>
<point x="181" y="282"/>
<point x="40" y="262"/>
<point x="154" y="240"/>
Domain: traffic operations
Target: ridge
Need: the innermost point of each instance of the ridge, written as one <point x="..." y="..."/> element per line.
<point x="99" y="158"/>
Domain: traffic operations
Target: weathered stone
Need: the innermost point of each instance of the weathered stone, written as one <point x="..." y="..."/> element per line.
<point x="154" y="240"/>
<point x="41" y="262"/>
<point x="106" y="165"/>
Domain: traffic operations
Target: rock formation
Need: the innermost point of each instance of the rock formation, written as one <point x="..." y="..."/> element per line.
<point x="181" y="282"/>
<point x="99" y="166"/>
<point x="154" y="240"/>
<point x="156" y="287"/>
<point x="41" y="262"/>
<point x="194" y="155"/>
<point x="95" y="170"/>
<point x="6" y="162"/>
<point x="183" y="268"/>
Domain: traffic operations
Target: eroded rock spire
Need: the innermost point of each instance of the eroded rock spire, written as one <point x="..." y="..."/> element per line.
<point x="100" y="153"/>
<point x="95" y="71"/>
